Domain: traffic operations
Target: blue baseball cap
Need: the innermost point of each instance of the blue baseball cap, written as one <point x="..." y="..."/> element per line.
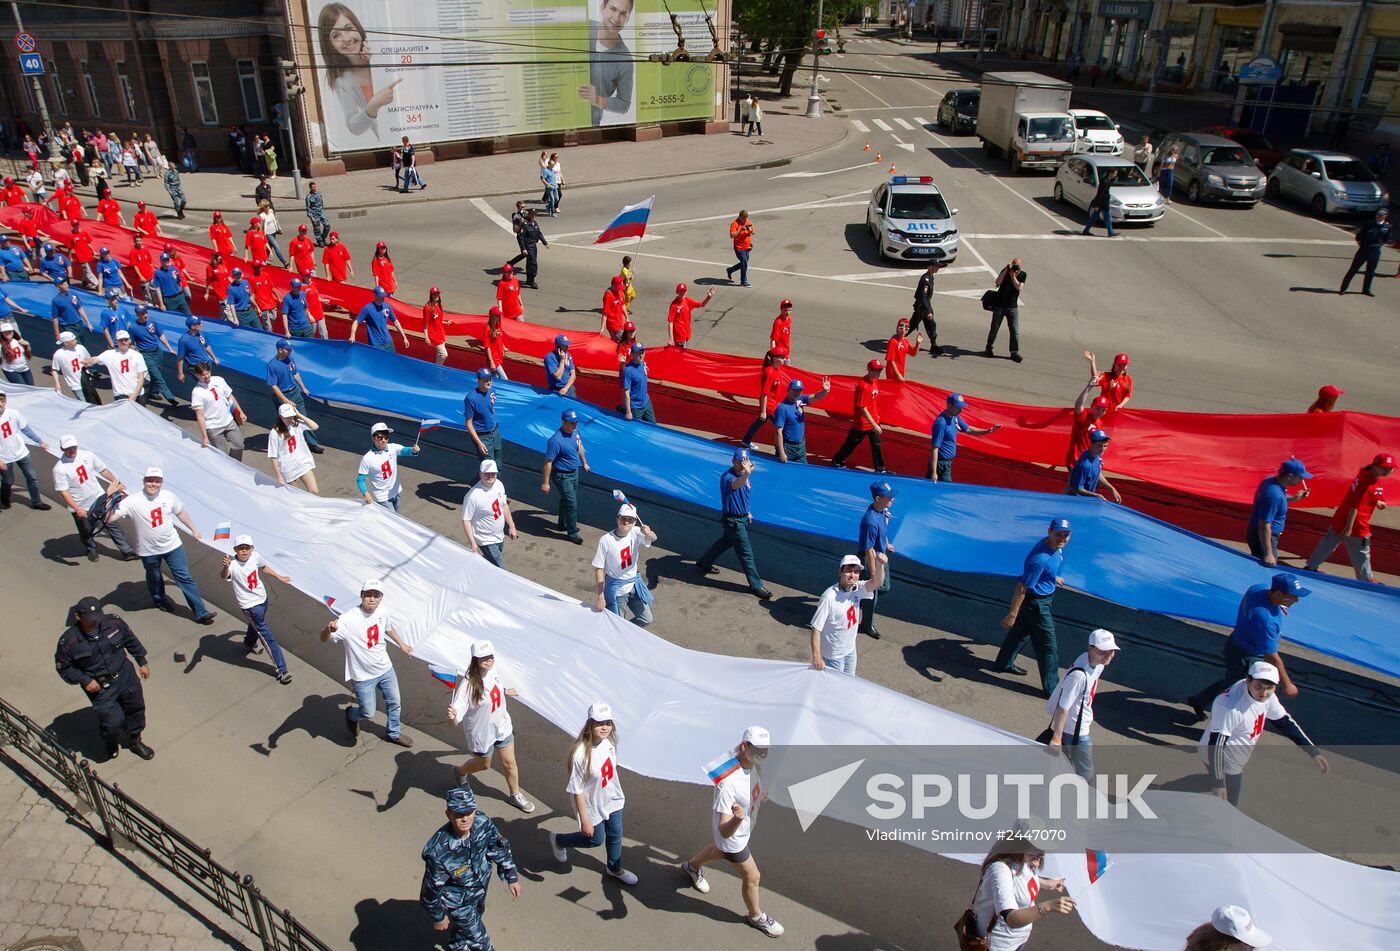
<point x="285" y="343"/>
<point x="192" y="322"/>
<point x="48" y="247"/>
<point x="112" y="293"/>
<point x="1288" y="584"/>
<point x="741" y="455"/>
<point x="795" y="385"/>
<point x="1099" y="435"/>
<point x="141" y="309"/>
<point x="296" y="284"/>
<point x="956" y="399"/>
<point x="568" y="416"/>
<point x="483" y="373"/>
<point x="638" y="348"/>
<point x="880" y="488"/>
<point x="561" y="341"/>
<point x="1295" y="467"/>
<point x="236" y="273"/>
<point x="104" y="251"/>
<point x="461" y="801"/>
<point x="380" y="292"/>
<point x="1059" y="525"/>
<point x="165" y="257"/>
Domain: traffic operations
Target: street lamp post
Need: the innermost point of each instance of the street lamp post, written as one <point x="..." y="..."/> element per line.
<point x="814" y="101"/>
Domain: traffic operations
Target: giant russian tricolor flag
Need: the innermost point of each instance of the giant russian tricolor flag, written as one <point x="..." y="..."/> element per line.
<point x="631" y="222"/>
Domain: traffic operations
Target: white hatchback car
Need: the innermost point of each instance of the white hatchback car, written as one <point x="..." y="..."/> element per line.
<point x="1096" y="132"/>
<point x="910" y="221"/>
<point x="1131" y="197"/>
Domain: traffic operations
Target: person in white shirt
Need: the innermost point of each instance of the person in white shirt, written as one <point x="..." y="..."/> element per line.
<point x="126" y="367"/>
<point x="1071" y="703"/>
<point x="1231" y="928"/>
<point x="153" y="513"/>
<point x="247" y="571"/>
<point x="366" y="630"/>
<point x="76" y="477"/>
<point x="486" y="515"/>
<point x="596" y="789"/>
<point x="68" y="364"/>
<point x="837" y="620"/>
<point x="739" y="793"/>
<point x="615" y="566"/>
<point x="217" y="412"/>
<point x="1237" y="719"/>
<point x="1007" y="902"/>
<point x="14" y="349"/>
<point x="479" y="704"/>
<point x="378" y="479"/>
<point x="14" y="454"/>
<point x="289" y="449"/>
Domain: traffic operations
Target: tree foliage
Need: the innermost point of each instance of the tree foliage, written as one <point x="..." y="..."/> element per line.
<point x="785" y="29"/>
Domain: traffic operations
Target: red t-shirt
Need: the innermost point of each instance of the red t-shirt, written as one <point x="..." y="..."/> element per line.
<point x="432" y="324"/>
<point x="216" y="278"/>
<point x="13" y="195"/>
<point x="383" y="270"/>
<point x="508" y="296"/>
<point x="314" y="306"/>
<point x="867" y="397"/>
<point x="1079" y="436"/>
<point x="81" y="246"/>
<point x="496" y="347"/>
<point x="72" y="207"/>
<point x="110" y="212"/>
<point x="264" y="296"/>
<point x="614" y="311"/>
<point x="303" y="254"/>
<point x="624" y="353"/>
<point x="1365" y="491"/>
<point x="1117" y="389"/>
<point x="256" y="244"/>
<point x="145" y="222"/>
<point x="679" y="318"/>
<point x="896" y="353"/>
<point x="141" y="260"/>
<point x="772" y="381"/>
<point x="336" y="258"/>
<point x="222" y="238"/>
<point x="781" y="335"/>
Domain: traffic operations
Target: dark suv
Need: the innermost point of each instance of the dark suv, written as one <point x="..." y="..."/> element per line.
<point x="958" y="110"/>
<point x="1213" y="168"/>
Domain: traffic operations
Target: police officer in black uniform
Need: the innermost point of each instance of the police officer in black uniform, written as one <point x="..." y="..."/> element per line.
<point x="922" y="315"/>
<point x="92" y="654"/>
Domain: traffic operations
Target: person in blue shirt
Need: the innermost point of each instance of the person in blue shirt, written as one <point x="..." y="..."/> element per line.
<point x="559" y="368"/>
<point x="1087" y="473"/>
<point x="944" y="438"/>
<point x="192" y="349"/>
<point x="479" y="411"/>
<point x="170" y="293"/>
<point x="147" y="338"/>
<point x="635" y="402"/>
<point x="111" y="319"/>
<point x="13" y="261"/>
<point x="287" y="386"/>
<point x="109" y="273"/>
<point x="1270" y="509"/>
<point x="736" y="515"/>
<point x="790" y="423"/>
<point x="563" y="458"/>
<point x="377" y="315"/>
<point x="1258" y="625"/>
<point x="873" y="541"/>
<point x="240" y="298"/>
<point x="54" y="264"/>
<point x="296" y="315"/>
<point x="68" y="314"/>
<point x="1029" y="617"/>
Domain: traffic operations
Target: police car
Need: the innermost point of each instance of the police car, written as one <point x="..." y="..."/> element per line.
<point x="910" y="221"/>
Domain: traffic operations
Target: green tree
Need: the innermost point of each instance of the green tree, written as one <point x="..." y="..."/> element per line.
<point x="786" y="28"/>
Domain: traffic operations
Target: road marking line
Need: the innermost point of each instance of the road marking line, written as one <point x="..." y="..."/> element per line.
<point x="882" y="125"/>
<point x="990" y="174"/>
<point x="923" y="122"/>
<point x="833" y="171"/>
<point x="901" y="123"/>
<point x="1168" y="239"/>
<point x="491" y="213"/>
<point x="859" y="126"/>
<point x="964" y="243"/>
<point x="869" y="93"/>
<point x="1178" y="211"/>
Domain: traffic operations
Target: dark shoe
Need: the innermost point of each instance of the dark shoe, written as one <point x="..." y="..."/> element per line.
<point x="257" y="648"/>
<point x="353" y="724"/>
<point x="1367" y="293"/>
<point x="114" y="750"/>
<point x="92" y="556"/>
<point x="837" y="465"/>
<point x="44" y="506"/>
<point x="746" y="284"/>
<point x="401" y="740"/>
<point x="576" y="539"/>
<point x="129" y="556"/>
<point x="166" y="605"/>
<point x="139" y="748"/>
<point x="1198" y="712"/>
<point x="1011" y="669"/>
<point x="763" y="594"/>
<point x="206" y="618"/>
<point x="1085" y="232"/>
<point x="988" y="352"/>
<point x="284" y="678"/>
<point x="870" y="632"/>
<point x="317" y="450"/>
<point x="935" y="352"/>
<point x="1016" y="358"/>
<point x="706" y="569"/>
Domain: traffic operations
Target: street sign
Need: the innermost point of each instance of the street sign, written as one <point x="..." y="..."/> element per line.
<point x="26" y="42"/>
<point x="1260" y="71"/>
<point x="31" y="64"/>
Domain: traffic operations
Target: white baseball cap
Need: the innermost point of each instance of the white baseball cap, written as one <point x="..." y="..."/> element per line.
<point x="373" y="584"/>
<point x="757" y="736"/>
<point x="123" y="335"/>
<point x="628" y="510"/>
<point x="599" y="712"/>
<point x="1263" y="670"/>
<point x="286" y="410"/>
<point x="66" y="337"/>
<point x="153" y="473"/>
<point x="1103" y="640"/>
<point x="67" y="441"/>
<point x="380" y="428"/>
<point x="1238" y="923"/>
<point x="483" y="649"/>
<point x="242" y="540"/>
<point x="852" y="560"/>
<point x="489" y="465"/>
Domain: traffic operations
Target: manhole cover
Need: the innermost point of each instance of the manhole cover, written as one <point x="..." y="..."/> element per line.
<point x="48" y="944"/>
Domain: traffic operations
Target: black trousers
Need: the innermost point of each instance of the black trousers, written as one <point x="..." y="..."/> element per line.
<point x="120" y="706"/>
<point x="853" y="439"/>
<point x="1370" y="259"/>
<point x="532" y="263"/>
<point x="922" y="318"/>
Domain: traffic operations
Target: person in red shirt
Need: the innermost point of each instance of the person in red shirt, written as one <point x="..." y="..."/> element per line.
<point x="1351" y="523"/>
<point x="678" y="316"/>
<point x="614" y="309"/>
<point x="508" y="294"/>
<point x="255" y="241"/>
<point x="80" y="245"/>
<point x="216" y="279"/>
<point x="624" y="345"/>
<point x="140" y="261"/>
<point x="1116" y="385"/>
<point x="383" y="268"/>
<point x="179" y="264"/>
<point x="110" y="210"/>
<point x="315" y="306"/>
<point x="434" y="332"/>
<point x="303" y="251"/>
<point x="265" y="297"/>
<point x="772" y="387"/>
<point x="865" y="419"/>
<point x="1086" y="420"/>
<point x="780" y="337"/>
<point x="496" y="343"/>
<point x="1326" y="400"/>
<point x="12" y="194"/>
<point x="336" y="259"/>
<point x="898" y="349"/>
<point x="221" y="236"/>
<point x="28" y="229"/>
<point x="145" y="221"/>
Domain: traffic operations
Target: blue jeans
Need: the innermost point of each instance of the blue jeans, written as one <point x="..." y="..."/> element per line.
<point x="276" y="248"/>
<point x="1103" y="215"/>
<point x="742" y="267"/>
<point x="179" y="566"/>
<point x="846" y="665"/>
<point x="609" y="829"/>
<point x="257" y="628"/>
<point x="632" y="590"/>
<point x="20" y="376"/>
<point x="492" y="553"/>
<point x="392" y="504"/>
<point x="386" y="683"/>
<point x="1165" y="178"/>
<point x="31" y="479"/>
<point x="156" y="386"/>
<point x="1081" y="755"/>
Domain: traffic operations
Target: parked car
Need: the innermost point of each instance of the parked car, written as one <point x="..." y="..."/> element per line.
<point x="909" y="220"/>
<point x="1264" y="152"/>
<point x="1096" y="132"/>
<point x="958" y="110"/>
<point x="1213" y="168"/>
<point x="1131" y="197"/>
<point x="973" y="40"/>
<point x="1327" y="182"/>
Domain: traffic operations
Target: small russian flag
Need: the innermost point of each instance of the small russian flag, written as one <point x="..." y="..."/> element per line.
<point x="330" y="601"/>
<point x="1098" y="863"/>
<point x="444" y="676"/>
<point x="721" y="767"/>
<point x="429" y="424"/>
<point x="223" y="531"/>
<point x="620" y="496"/>
<point x="631" y="222"/>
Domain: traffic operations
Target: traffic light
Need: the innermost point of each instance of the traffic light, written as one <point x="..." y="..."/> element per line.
<point x="279" y="114"/>
<point x="291" y="79"/>
<point x="822" y="44"/>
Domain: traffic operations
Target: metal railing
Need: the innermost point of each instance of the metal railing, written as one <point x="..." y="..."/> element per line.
<point x="122" y="822"/>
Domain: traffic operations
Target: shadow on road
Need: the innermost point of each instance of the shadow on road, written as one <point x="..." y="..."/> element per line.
<point x="320" y="718"/>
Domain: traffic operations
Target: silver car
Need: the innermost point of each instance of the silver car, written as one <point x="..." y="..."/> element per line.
<point x="909" y="220"/>
<point x="1131" y="197"/>
<point x="1327" y="182"/>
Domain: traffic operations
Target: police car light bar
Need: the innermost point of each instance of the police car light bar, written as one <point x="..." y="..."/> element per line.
<point x="906" y="179"/>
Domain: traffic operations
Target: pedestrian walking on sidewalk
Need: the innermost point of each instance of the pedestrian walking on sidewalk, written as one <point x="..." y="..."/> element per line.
<point x="457" y="870"/>
<point x="92" y="654"/>
<point x="865" y="419"/>
<point x="410" y="167"/>
<point x="246" y="570"/>
<point x="1142" y="156"/>
<point x="617" y="568"/>
<point x="479" y="705"/>
<point x="366" y="631"/>
<point x="564" y="457"/>
<point x="171" y="179"/>
<point x="77" y="478"/>
<point x="1030" y="615"/>
<point x="1351" y="523"/>
<point x="596" y="790"/>
<point x="755" y="117"/>
<point x="736" y="515"/>
<point x="1166" y="173"/>
<point x="741" y="234"/>
<point x="153" y="512"/>
<point x="316" y="211"/>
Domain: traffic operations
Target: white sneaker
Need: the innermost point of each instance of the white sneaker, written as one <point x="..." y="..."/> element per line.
<point x="561" y="854"/>
<point x="521" y="803"/>
<point x="697" y="877"/>
<point x="767" y="925"/>
<point x="623" y="876"/>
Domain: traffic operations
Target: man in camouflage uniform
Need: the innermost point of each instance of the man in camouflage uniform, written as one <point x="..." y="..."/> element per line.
<point x="458" y="860"/>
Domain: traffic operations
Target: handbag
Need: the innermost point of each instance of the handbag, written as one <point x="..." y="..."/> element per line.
<point x="970" y="936"/>
<point x="989" y="299"/>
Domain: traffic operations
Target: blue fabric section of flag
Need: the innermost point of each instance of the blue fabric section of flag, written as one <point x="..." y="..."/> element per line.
<point x="722" y="768"/>
<point x="223" y="530"/>
<point x="1098" y="863"/>
<point x="328" y="599"/>
<point x="443" y="675"/>
<point x="634" y="216"/>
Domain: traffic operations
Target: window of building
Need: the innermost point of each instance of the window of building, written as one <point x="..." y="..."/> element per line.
<point x="1181" y="41"/>
<point x="204" y="92"/>
<point x="128" y="94"/>
<point x="94" y="106"/>
<point x="60" y="101"/>
<point x="252" y="90"/>
<point x="1380" y="101"/>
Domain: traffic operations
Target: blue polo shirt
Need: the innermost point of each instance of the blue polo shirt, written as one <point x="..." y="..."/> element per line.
<point x="1085" y="474"/>
<point x="562" y="451"/>
<point x="551" y="365"/>
<point x="55" y="268"/>
<point x="945" y="434"/>
<point x="240" y="295"/>
<point x="111" y="320"/>
<point x="481" y="408"/>
<point x="279" y="374"/>
<point x="167" y="280"/>
<point x="788" y="416"/>
<point x="1043" y="566"/>
<point x="65" y="310"/>
<point x="873" y="532"/>
<point x="110" y="271"/>
<point x="1257" y="624"/>
<point x="294" y="308"/>
<point x="12" y="260"/>
<point x="376" y="320"/>
<point x="144" y="337"/>
<point x="190" y="349"/>
<point x="634" y="381"/>
<point x="1270" y="505"/>
<point x="734" y="500"/>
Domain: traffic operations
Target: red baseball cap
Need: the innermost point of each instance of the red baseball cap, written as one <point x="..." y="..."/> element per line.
<point x="255" y="220"/>
<point x="680" y="288"/>
<point x="874" y="365"/>
<point x="506" y="269"/>
<point x="1385" y="460"/>
<point x="335" y="234"/>
<point x="495" y="312"/>
<point x="1330" y="390"/>
<point x="629" y="326"/>
<point x="1102" y="401"/>
<point x="301" y="228"/>
<point x="218" y="214"/>
<point x="617" y="280"/>
<point x="381" y="246"/>
<point x="1122" y="358"/>
<point x="140" y="204"/>
<point x="431" y="290"/>
<point x="785" y="304"/>
<point x="902" y="322"/>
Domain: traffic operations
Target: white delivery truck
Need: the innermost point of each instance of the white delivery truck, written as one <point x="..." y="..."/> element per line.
<point x="1025" y="116"/>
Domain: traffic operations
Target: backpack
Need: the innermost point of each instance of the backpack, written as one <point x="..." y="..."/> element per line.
<point x="1054" y="701"/>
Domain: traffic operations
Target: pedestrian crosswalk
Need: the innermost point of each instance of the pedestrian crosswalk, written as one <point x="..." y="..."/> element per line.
<point x="859" y="126"/>
<point x="882" y="125"/>
<point x="902" y="124"/>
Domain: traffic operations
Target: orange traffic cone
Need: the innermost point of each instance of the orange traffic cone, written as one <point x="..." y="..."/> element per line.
<point x="867" y="146"/>
<point x="877" y="156"/>
<point x="891" y="168"/>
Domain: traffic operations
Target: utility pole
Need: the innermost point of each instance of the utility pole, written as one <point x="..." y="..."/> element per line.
<point x="292" y="90"/>
<point x="44" y="120"/>
<point x="814" y="101"/>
